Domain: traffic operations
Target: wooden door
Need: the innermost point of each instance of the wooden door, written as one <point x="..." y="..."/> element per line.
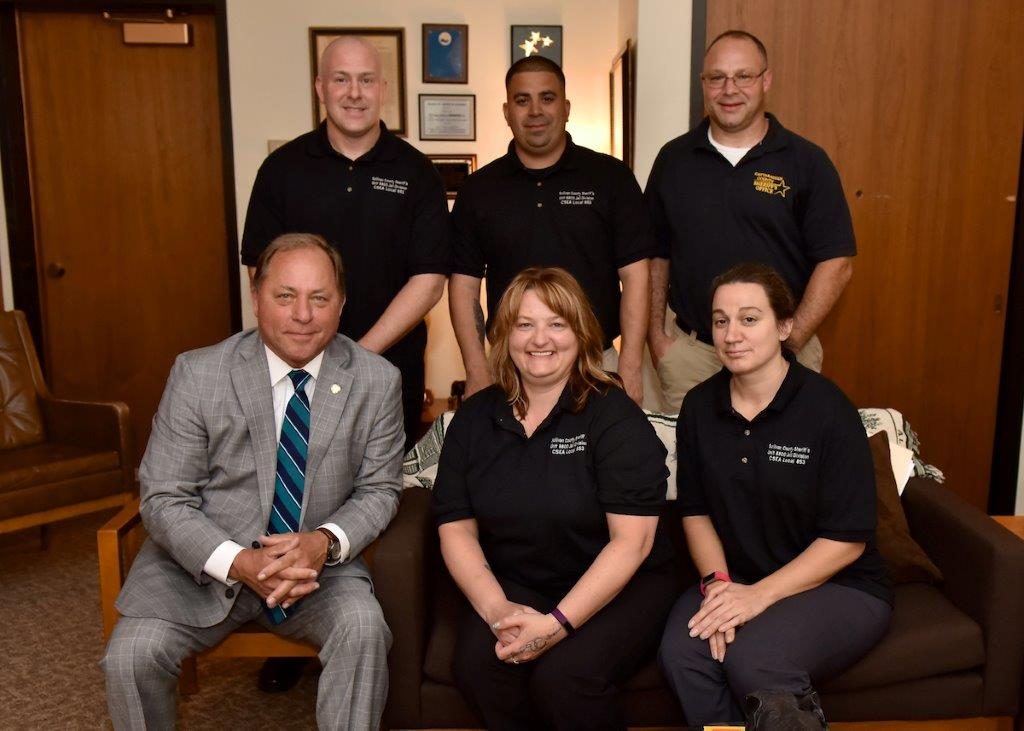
<point x="128" y="204"/>
<point x="920" y="105"/>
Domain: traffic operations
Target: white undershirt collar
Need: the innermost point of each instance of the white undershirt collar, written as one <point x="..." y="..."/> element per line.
<point x="732" y="154"/>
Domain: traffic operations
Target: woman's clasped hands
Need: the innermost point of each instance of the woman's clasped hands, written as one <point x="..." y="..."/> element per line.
<point x="525" y="634"/>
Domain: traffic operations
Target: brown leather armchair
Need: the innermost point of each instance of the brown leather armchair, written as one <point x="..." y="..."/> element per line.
<point x="58" y="458"/>
<point x="953" y="651"/>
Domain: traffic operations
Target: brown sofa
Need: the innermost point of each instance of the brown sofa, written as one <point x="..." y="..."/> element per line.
<point x="58" y="458"/>
<point x="953" y="650"/>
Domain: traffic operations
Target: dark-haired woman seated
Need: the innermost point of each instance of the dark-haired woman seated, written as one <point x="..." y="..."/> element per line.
<point x="547" y="497"/>
<point x="776" y="487"/>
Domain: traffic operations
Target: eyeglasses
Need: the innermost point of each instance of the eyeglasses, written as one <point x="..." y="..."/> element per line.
<point x="743" y="80"/>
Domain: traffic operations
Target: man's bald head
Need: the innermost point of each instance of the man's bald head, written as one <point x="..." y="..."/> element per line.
<point x="343" y="44"/>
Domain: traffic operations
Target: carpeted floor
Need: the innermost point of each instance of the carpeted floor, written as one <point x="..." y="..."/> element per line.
<point x="51" y="642"/>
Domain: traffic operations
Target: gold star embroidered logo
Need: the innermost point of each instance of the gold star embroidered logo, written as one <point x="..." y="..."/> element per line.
<point x="770" y="184"/>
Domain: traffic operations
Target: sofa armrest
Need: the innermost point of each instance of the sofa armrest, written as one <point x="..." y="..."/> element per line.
<point x="399" y="567"/>
<point x="94" y="424"/>
<point x="982" y="564"/>
<point x="118" y="541"/>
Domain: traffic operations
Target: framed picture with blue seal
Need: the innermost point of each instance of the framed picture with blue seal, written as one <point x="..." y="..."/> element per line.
<point x="445" y="54"/>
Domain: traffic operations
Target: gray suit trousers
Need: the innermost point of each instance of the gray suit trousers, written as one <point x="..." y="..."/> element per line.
<point x="342" y="618"/>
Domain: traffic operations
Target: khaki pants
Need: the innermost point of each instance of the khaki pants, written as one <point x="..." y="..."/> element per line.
<point x="610" y="360"/>
<point x="688" y="361"/>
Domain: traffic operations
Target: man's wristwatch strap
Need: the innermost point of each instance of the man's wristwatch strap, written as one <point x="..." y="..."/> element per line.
<point x="333" y="544"/>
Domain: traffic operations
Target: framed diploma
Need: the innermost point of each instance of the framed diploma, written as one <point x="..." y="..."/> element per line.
<point x="448" y="117"/>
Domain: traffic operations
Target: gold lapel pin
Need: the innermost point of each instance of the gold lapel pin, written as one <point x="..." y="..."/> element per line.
<point x="335" y="388"/>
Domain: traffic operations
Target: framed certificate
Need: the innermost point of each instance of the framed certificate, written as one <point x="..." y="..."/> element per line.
<point x="448" y="117"/>
<point x="445" y="54"/>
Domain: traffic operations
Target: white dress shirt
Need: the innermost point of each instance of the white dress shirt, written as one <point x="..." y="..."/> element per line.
<point x="219" y="563"/>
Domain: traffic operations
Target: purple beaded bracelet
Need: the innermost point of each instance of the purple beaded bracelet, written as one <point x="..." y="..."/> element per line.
<point x="564" y="621"/>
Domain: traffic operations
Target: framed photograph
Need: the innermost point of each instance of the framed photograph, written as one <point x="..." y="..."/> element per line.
<point x="448" y="117"/>
<point x="537" y="40"/>
<point x="454" y="170"/>
<point x="621" y="89"/>
<point x="390" y="44"/>
<point x="445" y="54"/>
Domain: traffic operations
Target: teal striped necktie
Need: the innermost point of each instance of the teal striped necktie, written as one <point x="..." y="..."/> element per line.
<point x="291" y="471"/>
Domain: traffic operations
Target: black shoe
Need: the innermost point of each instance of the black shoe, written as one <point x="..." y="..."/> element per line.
<point x="777" y="710"/>
<point x="279" y="674"/>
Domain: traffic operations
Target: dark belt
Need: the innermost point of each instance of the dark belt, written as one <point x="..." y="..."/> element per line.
<point x="692" y="332"/>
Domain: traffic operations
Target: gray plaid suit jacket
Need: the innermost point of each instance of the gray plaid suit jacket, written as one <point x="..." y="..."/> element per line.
<point x="208" y="472"/>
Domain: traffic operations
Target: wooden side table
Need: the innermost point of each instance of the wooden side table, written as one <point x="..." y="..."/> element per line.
<point x="1013" y="523"/>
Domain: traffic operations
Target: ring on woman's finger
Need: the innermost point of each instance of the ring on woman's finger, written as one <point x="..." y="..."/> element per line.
<point x="515" y="661"/>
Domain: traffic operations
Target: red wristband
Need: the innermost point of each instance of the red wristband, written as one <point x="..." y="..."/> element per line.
<point x="711" y="579"/>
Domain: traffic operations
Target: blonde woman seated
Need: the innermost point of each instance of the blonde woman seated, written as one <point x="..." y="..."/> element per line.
<point x="547" y="498"/>
<point x="777" y="491"/>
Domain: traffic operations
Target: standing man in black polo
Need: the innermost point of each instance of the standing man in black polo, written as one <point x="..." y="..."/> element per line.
<point x="550" y="202"/>
<point x="376" y="199"/>
<point x="740" y="187"/>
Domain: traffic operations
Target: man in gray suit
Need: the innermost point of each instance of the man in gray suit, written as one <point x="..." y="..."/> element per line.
<point x="274" y="460"/>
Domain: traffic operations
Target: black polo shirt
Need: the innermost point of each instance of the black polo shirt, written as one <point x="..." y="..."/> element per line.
<point x="800" y="470"/>
<point x="782" y="205"/>
<point x="386" y="212"/>
<point x="585" y="214"/>
<point x="541" y="502"/>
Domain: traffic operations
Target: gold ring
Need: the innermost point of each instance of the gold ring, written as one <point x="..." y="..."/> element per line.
<point x="515" y="661"/>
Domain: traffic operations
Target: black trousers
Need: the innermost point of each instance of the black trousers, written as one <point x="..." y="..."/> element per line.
<point x="807" y="637"/>
<point x="413" y="384"/>
<point x="408" y="358"/>
<point x="572" y="685"/>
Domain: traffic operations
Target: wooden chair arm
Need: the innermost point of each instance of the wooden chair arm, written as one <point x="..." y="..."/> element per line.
<point x="118" y="541"/>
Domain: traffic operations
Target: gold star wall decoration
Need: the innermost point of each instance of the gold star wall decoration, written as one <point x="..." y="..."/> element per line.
<point x="537" y="40"/>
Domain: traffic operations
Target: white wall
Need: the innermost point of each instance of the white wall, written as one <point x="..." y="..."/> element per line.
<point x="268" y="51"/>
<point x="662" y="78"/>
<point x="628" y="10"/>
